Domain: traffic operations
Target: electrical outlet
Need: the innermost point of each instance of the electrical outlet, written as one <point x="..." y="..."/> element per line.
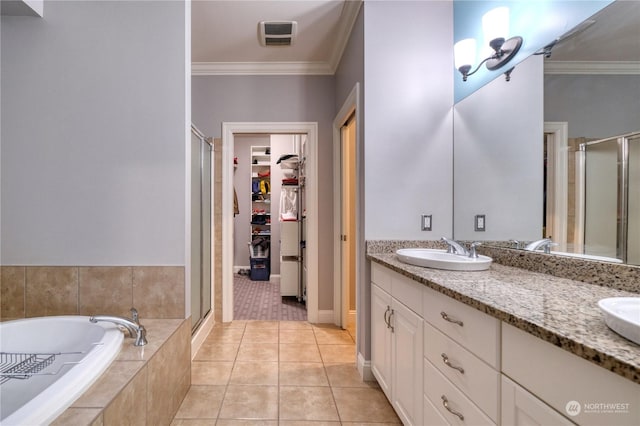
<point x="480" y="223"/>
<point x="426" y="222"/>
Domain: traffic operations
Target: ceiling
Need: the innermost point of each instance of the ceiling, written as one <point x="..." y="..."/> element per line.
<point x="224" y="36"/>
<point x="611" y="44"/>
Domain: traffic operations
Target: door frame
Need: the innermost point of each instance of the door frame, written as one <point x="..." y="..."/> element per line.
<point x="351" y="106"/>
<point x="312" y="252"/>
<point x="559" y="188"/>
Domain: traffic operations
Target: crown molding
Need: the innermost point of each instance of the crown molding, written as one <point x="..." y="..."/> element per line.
<point x="347" y="21"/>
<point x="593" y="68"/>
<point x="261" y="68"/>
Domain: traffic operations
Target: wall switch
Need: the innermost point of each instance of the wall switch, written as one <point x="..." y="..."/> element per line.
<point x="480" y="224"/>
<point x="426" y="222"/>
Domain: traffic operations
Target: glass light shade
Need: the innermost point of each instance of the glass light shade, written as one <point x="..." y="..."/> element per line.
<point x="495" y="24"/>
<point x="464" y="52"/>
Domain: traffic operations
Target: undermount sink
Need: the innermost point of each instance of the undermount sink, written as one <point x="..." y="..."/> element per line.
<point x="622" y="315"/>
<point x="440" y="259"/>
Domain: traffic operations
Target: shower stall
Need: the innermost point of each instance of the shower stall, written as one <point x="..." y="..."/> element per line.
<point x="201" y="254"/>
<point x="608" y="198"/>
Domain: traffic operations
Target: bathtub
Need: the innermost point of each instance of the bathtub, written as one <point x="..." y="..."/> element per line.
<point x="82" y="352"/>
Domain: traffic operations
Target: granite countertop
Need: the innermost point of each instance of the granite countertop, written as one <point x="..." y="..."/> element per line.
<point x="561" y="311"/>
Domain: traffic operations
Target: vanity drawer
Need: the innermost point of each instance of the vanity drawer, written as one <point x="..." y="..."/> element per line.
<point x="405" y="290"/>
<point x="478" y="381"/>
<point x="381" y="276"/>
<point x="474" y="330"/>
<point x="436" y="386"/>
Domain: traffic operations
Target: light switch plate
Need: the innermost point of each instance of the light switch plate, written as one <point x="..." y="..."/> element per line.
<point x="426" y="222"/>
<point x="480" y="223"/>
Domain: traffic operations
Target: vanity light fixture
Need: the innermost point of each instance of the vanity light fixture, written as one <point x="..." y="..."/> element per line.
<point x="495" y="24"/>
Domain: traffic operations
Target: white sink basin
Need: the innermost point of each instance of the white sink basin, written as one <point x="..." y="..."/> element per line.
<point x="622" y="315"/>
<point x="440" y="259"/>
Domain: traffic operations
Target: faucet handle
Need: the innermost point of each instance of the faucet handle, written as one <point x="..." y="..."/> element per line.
<point x="134" y="315"/>
<point x="472" y="249"/>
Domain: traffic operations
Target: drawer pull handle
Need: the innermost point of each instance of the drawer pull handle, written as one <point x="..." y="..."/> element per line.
<point x="446" y="318"/>
<point x="446" y="361"/>
<point x="445" y="402"/>
<point x="390" y="315"/>
<point x="386" y="319"/>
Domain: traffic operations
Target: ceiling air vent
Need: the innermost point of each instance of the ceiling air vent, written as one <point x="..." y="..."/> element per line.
<point x="277" y="33"/>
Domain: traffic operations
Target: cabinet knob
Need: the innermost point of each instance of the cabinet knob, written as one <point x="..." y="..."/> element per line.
<point x="446" y="318"/>
<point x="446" y="361"/>
<point x="445" y="402"/>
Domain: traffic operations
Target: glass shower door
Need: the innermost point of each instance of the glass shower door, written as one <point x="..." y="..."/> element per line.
<point x="601" y="205"/>
<point x="633" y="205"/>
<point x="200" y="228"/>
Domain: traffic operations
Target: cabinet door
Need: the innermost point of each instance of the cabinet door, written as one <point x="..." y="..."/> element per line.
<point x="521" y="408"/>
<point x="381" y="338"/>
<point x="406" y="364"/>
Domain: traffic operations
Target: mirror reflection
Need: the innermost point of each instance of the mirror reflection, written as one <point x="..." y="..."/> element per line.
<point x="579" y="185"/>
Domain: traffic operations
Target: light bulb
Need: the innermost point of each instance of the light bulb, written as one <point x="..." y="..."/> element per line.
<point x="495" y="24"/>
<point x="464" y="52"/>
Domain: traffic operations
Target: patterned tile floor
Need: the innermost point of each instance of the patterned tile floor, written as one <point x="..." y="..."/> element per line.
<point x="261" y="300"/>
<point x="280" y="373"/>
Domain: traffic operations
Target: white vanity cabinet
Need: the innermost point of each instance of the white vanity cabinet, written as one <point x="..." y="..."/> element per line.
<point x="462" y="361"/>
<point x="443" y="362"/>
<point x="522" y="408"/>
<point x="396" y="341"/>
<point x="583" y="392"/>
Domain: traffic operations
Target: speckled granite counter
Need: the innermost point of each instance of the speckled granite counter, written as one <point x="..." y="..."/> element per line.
<point x="561" y="311"/>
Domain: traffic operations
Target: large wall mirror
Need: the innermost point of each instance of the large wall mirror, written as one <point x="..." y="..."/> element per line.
<point x="555" y="151"/>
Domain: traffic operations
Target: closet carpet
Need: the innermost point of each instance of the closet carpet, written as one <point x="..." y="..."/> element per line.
<point x="261" y="300"/>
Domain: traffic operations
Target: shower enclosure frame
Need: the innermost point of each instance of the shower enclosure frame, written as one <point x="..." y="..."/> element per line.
<point x="622" y="227"/>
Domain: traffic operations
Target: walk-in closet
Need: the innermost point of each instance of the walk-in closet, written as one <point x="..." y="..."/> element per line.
<point x="269" y="227"/>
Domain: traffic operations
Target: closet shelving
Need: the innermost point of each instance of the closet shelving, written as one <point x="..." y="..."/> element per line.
<point x="260" y="212"/>
<point x="261" y="191"/>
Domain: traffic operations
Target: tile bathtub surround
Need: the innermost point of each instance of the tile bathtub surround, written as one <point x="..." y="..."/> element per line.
<point x="33" y="291"/>
<point x="558" y="310"/>
<point x="306" y="374"/>
<point x="614" y="275"/>
<point x="143" y="385"/>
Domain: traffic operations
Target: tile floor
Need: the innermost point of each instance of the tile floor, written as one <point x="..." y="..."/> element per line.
<point x="280" y="373"/>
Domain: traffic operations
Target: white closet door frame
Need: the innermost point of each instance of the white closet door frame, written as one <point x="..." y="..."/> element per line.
<point x="228" y="131"/>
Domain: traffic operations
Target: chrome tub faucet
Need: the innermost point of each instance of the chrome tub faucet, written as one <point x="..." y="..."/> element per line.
<point x="133" y="326"/>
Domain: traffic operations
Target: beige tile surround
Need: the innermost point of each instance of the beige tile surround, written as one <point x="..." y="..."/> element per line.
<point x="33" y="291"/>
<point x="143" y="386"/>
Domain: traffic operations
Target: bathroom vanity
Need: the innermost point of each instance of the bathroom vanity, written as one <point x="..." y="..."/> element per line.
<point x="502" y="346"/>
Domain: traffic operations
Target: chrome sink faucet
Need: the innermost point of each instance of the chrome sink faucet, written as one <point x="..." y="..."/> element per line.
<point x="544" y="244"/>
<point x="454" y="247"/>
<point x="134" y="328"/>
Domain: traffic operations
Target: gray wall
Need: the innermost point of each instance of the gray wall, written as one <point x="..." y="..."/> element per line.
<point x="93" y="135"/>
<point x="498" y="157"/>
<point x="408" y="124"/>
<point x="218" y="99"/>
<point x="595" y="106"/>
<point x="350" y="70"/>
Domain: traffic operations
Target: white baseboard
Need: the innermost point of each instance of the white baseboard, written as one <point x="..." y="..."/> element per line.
<point x="364" y="368"/>
<point x="325" y="317"/>
<point x="237" y="268"/>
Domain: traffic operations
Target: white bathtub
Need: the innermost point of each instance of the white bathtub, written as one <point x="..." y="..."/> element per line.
<point x="84" y="351"/>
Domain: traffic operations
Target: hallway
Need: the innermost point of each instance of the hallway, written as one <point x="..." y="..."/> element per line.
<point x="280" y="373"/>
